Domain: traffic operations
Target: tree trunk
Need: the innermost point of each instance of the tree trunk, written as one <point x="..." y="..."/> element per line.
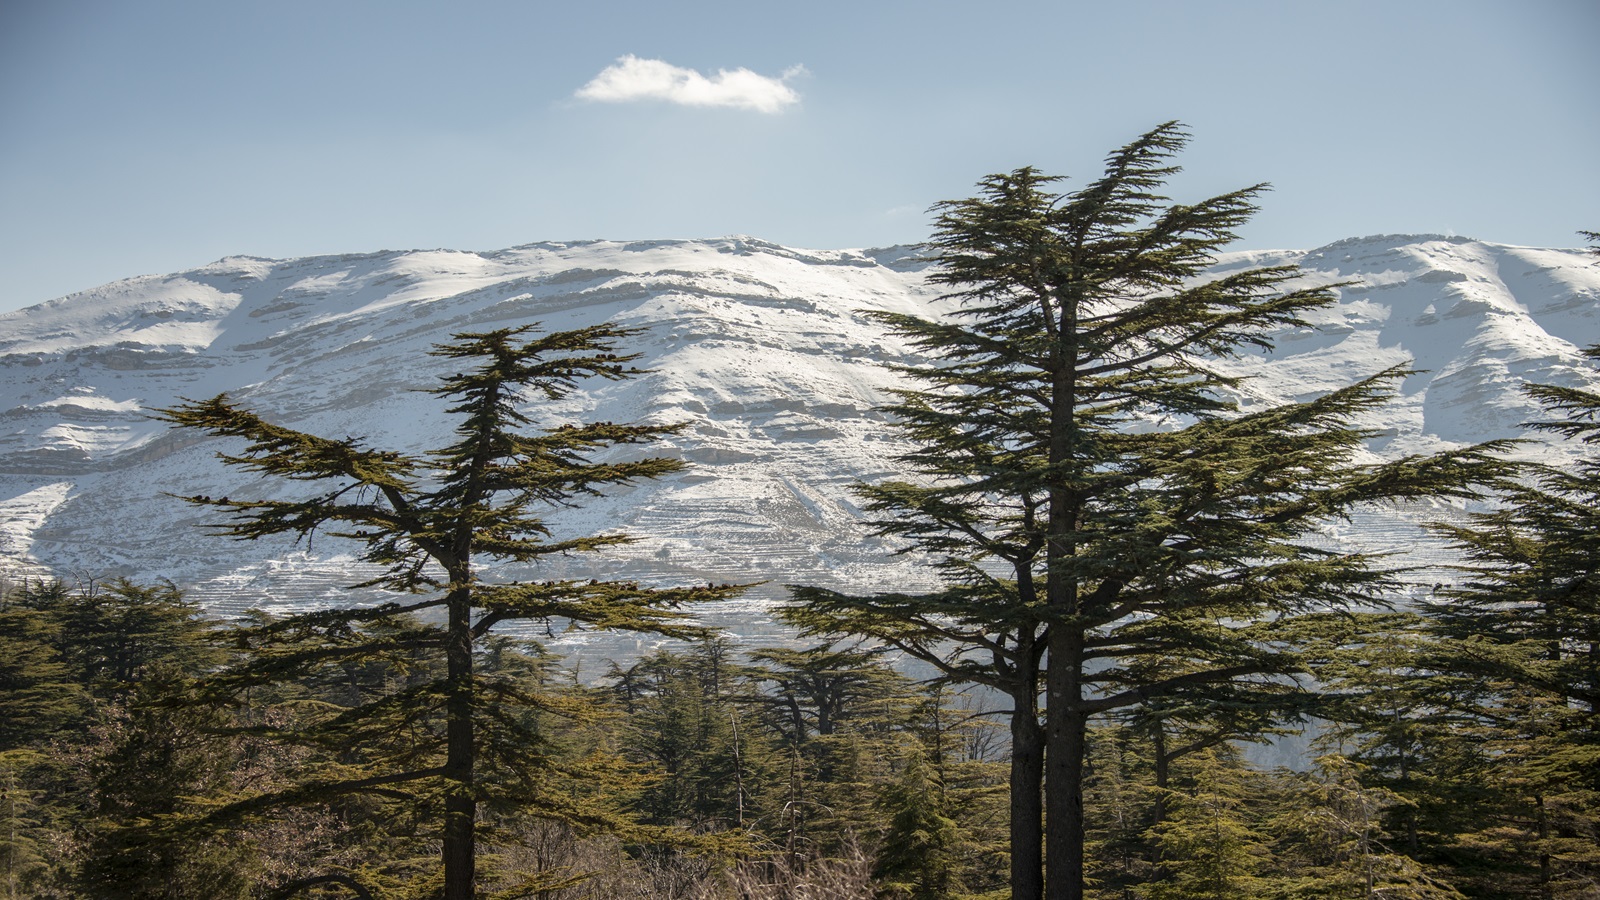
<point x="461" y="806"/>
<point x="1546" y="880"/>
<point x="1065" y="735"/>
<point x="1027" y="799"/>
<point x="1158" y="812"/>
<point x="1065" y="720"/>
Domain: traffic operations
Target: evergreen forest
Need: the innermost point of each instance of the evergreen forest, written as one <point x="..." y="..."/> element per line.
<point x="1126" y="618"/>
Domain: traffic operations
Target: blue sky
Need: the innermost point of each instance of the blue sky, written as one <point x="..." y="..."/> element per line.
<point x="148" y="137"/>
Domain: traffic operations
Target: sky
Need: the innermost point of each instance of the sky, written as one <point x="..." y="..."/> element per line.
<point x="155" y="136"/>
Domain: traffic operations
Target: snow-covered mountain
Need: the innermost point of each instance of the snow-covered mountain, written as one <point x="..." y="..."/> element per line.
<point x="762" y="349"/>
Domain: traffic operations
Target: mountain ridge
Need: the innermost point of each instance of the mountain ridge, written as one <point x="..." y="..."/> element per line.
<point x="763" y="350"/>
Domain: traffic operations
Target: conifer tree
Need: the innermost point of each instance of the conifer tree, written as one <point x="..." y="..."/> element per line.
<point x="1328" y="827"/>
<point x="431" y="521"/>
<point x="1394" y="715"/>
<point x="1208" y="849"/>
<point x="1525" y="630"/>
<point x="1083" y="476"/>
<point x="122" y="631"/>
<point x="38" y="694"/>
<point x="821" y="690"/>
<point x="917" y="859"/>
<point x="78" y="668"/>
<point x="974" y="631"/>
<point x="160" y="757"/>
<point x="840" y="714"/>
<point x="686" y="720"/>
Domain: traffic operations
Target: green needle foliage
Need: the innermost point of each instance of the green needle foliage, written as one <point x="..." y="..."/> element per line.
<point x="917" y="857"/>
<point x="1524" y="630"/>
<point x="439" y="743"/>
<point x="1110" y="526"/>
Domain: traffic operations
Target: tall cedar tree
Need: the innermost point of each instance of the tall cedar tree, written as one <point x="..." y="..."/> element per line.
<point x="431" y="520"/>
<point x="1525" y="626"/>
<point x="1062" y="521"/>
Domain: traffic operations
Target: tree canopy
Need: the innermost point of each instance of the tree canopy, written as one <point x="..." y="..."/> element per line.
<point x="446" y="739"/>
<point x="1090" y="488"/>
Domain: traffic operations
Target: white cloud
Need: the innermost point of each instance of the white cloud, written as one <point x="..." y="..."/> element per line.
<point x="632" y="78"/>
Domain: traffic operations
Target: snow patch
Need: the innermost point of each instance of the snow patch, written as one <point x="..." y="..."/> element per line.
<point x="764" y="353"/>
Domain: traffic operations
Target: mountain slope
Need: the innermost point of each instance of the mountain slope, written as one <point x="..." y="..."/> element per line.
<point x="762" y="349"/>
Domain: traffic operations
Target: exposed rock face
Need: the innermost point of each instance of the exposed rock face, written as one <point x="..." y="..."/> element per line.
<point x="763" y="350"/>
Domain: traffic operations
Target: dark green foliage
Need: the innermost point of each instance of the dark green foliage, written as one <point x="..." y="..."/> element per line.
<point x="445" y="743"/>
<point x="1206" y="847"/>
<point x="838" y="714"/>
<point x="810" y="758"/>
<point x="1231" y="830"/>
<point x="63" y="648"/>
<point x="92" y="756"/>
<point x="970" y="633"/>
<point x="1427" y="798"/>
<point x="1523" y="632"/>
<point x="1393" y="718"/>
<point x="123" y="632"/>
<point x="919" y="856"/>
<point x="162" y="753"/>
<point x="1530" y="612"/>
<point x="691" y="718"/>
<point x="825" y="690"/>
<point x="1142" y="563"/>
<point x="1329" y="839"/>
<point x="25" y="832"/>
<point x="39" y="697"/>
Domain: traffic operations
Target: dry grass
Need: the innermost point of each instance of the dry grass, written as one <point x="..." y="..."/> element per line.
<point x="609" y="872"/>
